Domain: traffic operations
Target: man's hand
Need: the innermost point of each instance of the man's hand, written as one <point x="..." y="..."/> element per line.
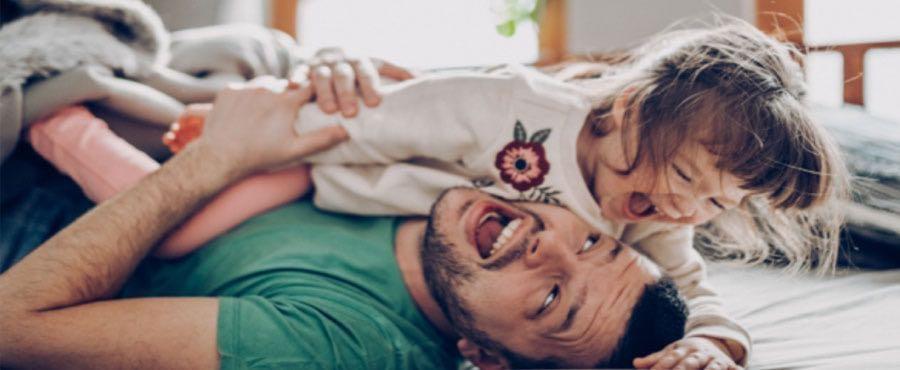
<point x="250" y="127"/>
<point x="336" y="78"/>
<point x="689" y="354"/>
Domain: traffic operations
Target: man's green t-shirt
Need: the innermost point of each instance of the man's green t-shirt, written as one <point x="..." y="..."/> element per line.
<point x="302" y="288"/>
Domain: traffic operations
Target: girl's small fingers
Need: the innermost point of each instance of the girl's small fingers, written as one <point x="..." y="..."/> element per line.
<point x="368" y="81"/>
<point x="693" y="361"/>
<point x="345" y="88"/>
<point x="648" y="361"/>
<point x="393" y="71"/>
<point x="198" y="109"/>
<point x="324" y="93"/>
<point x="714" y="365"/>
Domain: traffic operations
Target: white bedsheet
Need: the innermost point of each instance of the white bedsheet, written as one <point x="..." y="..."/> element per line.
<point x="851" y="321"/>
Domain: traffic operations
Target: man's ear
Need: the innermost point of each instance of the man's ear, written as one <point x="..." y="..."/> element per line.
<point x="482" y="358"/>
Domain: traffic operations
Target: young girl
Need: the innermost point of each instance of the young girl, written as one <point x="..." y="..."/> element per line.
<point x="696" y="126"/>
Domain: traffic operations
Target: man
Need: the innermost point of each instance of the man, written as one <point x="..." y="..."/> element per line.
<point x="301" y="288"/>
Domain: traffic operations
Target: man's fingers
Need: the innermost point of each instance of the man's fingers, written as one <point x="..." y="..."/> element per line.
<point x="197" y="110"/>
<point x="318" y="140"/>
<point x="324" y="93"/>
<point x="345" y="88"/>
<point x="368" y="79"/>
<point x="299" y="93"/>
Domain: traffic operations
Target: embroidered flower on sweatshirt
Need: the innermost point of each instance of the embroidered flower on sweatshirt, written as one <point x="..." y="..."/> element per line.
<point x="522" y="162"/>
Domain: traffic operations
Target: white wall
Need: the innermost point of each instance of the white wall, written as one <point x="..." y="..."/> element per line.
<point x="599" y="25"/>
<point x="181" y="14"/>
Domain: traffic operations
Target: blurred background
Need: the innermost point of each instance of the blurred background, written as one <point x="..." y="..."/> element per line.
<point x="854" y="57"/>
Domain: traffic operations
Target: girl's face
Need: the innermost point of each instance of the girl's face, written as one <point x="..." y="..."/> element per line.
<point x="689" y="190"/>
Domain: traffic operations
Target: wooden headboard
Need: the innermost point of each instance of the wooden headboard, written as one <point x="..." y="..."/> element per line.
<point x="784" y="20"/>
<point x="780" y="18"/>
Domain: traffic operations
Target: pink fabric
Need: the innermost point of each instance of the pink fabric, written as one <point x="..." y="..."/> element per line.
<point x="83" y="147"/>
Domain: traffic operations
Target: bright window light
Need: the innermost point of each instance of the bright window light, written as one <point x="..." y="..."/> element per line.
<point x="415" y="33"/>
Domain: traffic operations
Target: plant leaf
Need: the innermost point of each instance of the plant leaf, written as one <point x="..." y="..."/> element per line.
<point x="507" y="28"/>
<point x="519" y="133"/>
<point x="536" y="12"/>
<point x="540" y="136"/>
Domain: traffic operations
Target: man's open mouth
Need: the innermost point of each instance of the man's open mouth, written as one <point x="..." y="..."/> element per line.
<point x="640" y="206"/>
<point x="494" y="229"/>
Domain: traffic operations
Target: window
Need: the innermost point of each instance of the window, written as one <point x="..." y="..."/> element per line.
<point x="834" y="22"/>
<point x="416" y="33"/>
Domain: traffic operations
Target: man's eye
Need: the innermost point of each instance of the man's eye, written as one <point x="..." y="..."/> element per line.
<point x="550" y="298"/>
<point x="681" y="174"/>
<point x="589" y="243"/>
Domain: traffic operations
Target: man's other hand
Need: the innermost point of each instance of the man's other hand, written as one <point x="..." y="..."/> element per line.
<point x="250" y="127"/>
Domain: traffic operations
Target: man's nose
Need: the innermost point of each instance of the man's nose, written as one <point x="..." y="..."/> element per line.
<point x="549" y="250"/>
<point x="676" y="205"/>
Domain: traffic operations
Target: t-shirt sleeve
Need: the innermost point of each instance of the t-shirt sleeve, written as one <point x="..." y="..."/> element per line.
<point x="264" y="333"/>
<point x="439" y="117"/>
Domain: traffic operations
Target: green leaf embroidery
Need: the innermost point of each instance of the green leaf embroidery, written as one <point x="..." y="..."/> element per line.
<point x="519" y="133"/>
<point x="540" y="136"/>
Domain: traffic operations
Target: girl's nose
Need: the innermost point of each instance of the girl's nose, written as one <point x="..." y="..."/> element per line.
<point x="674" y="206"/>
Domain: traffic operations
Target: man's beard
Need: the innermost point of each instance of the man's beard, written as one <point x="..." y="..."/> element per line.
<point x="444" y="270"/>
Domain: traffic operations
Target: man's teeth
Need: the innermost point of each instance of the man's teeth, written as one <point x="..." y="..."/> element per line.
<point x="506" y="234"/>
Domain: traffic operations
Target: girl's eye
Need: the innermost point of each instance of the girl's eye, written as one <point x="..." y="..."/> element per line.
<point x="550" y="298"/>
<point x="681" y="174"/>
<point x="589" y="243"/>
<point x="716" y="203"/>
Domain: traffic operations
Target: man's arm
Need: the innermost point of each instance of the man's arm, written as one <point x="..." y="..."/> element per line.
<point x="52" y="316"/>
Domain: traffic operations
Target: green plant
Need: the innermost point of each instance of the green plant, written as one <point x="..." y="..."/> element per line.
<point x="514" y="12"/>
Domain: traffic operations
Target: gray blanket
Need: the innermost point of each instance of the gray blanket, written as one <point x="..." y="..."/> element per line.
<point x="117" y="56"/>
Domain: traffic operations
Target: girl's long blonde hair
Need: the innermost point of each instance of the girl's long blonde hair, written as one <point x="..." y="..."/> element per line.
<point x="745" y="91"/>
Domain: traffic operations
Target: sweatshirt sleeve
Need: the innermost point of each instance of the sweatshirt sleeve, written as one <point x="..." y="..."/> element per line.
<point x="450" y="118"/>
<point x="671" y="247"/>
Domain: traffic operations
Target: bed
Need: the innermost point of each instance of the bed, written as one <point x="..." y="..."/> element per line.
<point x="849" y="321"/>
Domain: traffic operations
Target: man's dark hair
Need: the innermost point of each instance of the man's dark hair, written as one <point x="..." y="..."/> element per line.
<point x="657" y="319"/>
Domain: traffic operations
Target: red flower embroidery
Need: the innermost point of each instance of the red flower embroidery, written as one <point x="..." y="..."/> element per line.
<point x="522" y="164"/>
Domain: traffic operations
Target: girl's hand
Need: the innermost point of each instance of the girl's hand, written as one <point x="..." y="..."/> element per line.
<point x="689" y="354"/>
<point x="338" y="80"/>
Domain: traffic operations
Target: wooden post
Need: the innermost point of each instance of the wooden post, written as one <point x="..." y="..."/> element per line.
<point x="283" y="16"/>
<point x="783" y="19"/>
<point x="552" y="32"/>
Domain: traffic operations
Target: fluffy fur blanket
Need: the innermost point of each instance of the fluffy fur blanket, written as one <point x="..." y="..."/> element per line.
<point x="56" y="35"/>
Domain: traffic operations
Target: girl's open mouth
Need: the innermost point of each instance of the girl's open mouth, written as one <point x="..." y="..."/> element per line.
<point x="639" y="206"/>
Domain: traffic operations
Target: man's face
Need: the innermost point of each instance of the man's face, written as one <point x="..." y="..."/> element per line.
<point x="535" y="278"/>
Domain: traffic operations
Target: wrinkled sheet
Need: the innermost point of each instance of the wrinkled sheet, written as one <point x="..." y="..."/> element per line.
<point x="849" y="321"/>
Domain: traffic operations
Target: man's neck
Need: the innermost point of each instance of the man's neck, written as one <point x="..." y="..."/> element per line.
<point x="407" y="249"/>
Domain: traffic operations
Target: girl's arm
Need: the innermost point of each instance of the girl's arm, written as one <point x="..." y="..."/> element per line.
<point x="671" y="247"/>
<point x="103" y="164"/>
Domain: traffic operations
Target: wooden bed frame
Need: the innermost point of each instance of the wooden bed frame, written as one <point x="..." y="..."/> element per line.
<point x="780" y="18"/>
